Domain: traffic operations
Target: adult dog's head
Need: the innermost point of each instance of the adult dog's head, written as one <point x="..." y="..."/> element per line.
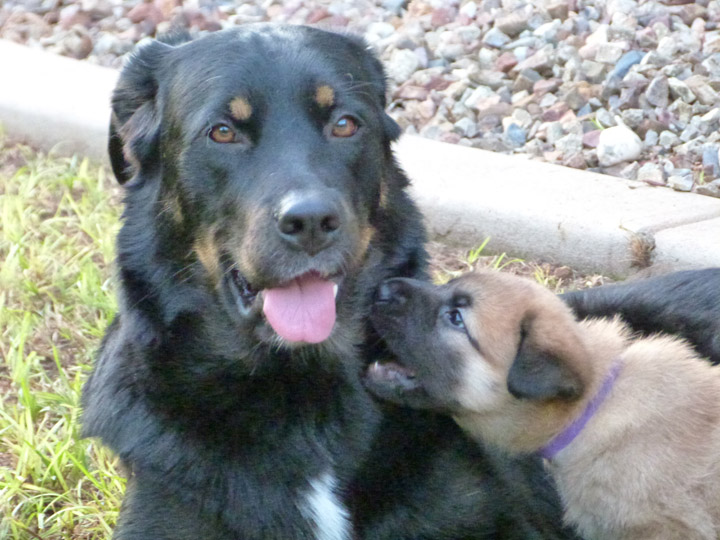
<point x="260" y="185"/>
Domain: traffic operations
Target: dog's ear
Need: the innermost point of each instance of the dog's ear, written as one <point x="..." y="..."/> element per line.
<point x="135" y="121"/>
<point x="378" y="78"/>
<point x="542" y="368"/>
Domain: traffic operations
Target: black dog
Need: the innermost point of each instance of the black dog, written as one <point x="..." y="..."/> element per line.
<point x="683" y="303"/>
<point x="263" y="206"/>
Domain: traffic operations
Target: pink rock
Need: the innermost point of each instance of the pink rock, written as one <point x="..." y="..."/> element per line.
<point x="554" y="113"/>
<point x="591" y="138"/>
<point x="505" y="62"/>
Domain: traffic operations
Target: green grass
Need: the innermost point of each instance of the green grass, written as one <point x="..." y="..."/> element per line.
<point x="58" y="219"/>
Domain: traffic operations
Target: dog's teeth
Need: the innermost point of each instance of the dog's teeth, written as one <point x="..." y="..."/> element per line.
<point x="335" y="290"/>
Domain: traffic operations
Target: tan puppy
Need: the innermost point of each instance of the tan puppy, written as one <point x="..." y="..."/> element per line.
<point x="630" y="425"/>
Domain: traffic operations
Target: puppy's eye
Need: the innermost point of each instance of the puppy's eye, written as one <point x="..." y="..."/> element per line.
<point x="455" y="318"/>
<point x="346" y="126"/>
<point x="222" y="133"/>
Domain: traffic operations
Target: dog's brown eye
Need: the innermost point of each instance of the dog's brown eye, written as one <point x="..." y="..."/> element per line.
<point x="345" y="127"/>
<point x="455" y="318"/>
<point x="222" y="133"/>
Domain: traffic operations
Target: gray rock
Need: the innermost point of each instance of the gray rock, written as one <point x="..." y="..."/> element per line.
<point x="465" y="127"/>
<point x="702" y="90"/>
<point x="683" y="112"/>
<point x="525" y="80"/>
<point x="593" y="71"/>
<point x="394" y="6"/>
<point x="712" y="116"/>
<point x="681" y="180"/>
<point x="548" y="31"/>
<point x="558" y="9"/>
<point x="548" y="100"/>
<point x="712" y="65"/>
<point x="618" y="144"/>
<point x="511" y="24"/>
<point x="651" y="137"/>
<point x="657" y="92"/>
<point x="680" y="90"/>
<point x="522" y="118"/>
<point x="712" y="189"/>
<point x="569" y="144"/>
<point x="487" y="77"/>
<point x="668" y="139"/>
<point x="495" y="38"/>
<point x="633" y="117"/>
<point x="469" y="10"/>
<point x="652" y="173"/>
<point x="609" y="53"/>
<point x="515" y="135"/>
<point x="711" y="159"/>
<point x="689" y="133"/>
<point x="553" y="132"/>
<point x="478" y="96"/>
<point x="630" y="171"/>
<point x="402" y="64"/>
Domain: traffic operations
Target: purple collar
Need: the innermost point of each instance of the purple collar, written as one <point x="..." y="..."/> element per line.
<point x="566" y="436"/>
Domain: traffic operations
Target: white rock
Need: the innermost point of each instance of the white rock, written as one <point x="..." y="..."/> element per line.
<point x="403" y="63"/>
<point x="618" y="144"/>
<point x="469" y="10"/>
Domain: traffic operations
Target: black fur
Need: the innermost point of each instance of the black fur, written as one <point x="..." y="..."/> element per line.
<point x="537" y="374"/>
<point x="684" y="303"/>
<point x="224" y="427"/>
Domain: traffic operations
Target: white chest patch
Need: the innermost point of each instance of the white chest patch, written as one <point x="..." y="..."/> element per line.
<point x="321" y="505"/>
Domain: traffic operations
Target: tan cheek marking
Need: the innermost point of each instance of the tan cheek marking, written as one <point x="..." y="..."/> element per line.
<point x="325" y="96"/>
<point x="384" y="194"/>
<point x="171" y="206"/>
<point x="240" y="109"/>
<point x="208" y="253"/>
<point x="366" y="236"/>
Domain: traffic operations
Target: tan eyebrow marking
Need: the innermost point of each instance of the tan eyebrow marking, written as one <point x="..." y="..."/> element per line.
<point x="325" y="96"/>
<point x="240" y="108"/>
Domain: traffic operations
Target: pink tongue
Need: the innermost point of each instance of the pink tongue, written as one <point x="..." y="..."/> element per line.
<point x="303" y="310"/>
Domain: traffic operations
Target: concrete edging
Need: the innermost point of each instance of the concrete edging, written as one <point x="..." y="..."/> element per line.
<point x="530" y="209"/>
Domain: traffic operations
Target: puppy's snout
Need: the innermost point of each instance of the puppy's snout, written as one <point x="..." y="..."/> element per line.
<point x="393" y="295"/>
<point x="310" y="221"/>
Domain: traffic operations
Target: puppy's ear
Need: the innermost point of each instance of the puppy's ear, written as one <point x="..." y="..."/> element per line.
<point x="135" y="120"/>
<point x="542" y="369"/>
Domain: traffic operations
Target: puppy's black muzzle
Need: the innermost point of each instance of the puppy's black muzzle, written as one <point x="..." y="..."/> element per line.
<point x="399" y="297"/>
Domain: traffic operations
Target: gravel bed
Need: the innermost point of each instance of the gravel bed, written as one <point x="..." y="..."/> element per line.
<point x="623" y="87"/>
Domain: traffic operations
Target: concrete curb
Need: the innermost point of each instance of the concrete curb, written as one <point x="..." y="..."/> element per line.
<point x="529" y="209"/>
<point x="55" y="103"/>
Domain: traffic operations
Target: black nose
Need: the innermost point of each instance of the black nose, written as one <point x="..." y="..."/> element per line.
<point x="393" y="294"/>
<point x="310" y="221"/>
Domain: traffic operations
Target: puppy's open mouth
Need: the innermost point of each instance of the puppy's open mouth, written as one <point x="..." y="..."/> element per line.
<point x="392" y="375"/>
<point x="299" y="310"/>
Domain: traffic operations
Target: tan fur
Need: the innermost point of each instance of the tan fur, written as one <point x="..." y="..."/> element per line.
<point x="647" y="465"/>
<point x="325" y="96"/>
<point x="208" y="254"/>
<point x="171" y="206"/>
<point x="384" y="194"/>
<point x="240" y="109"/>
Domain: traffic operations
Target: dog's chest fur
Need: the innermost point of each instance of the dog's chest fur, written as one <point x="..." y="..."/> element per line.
<point x="321" y="506"/>
<point x="647" y="464"/>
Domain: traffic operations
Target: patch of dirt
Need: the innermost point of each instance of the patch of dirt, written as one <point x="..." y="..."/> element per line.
<point x="448" y="262"/>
